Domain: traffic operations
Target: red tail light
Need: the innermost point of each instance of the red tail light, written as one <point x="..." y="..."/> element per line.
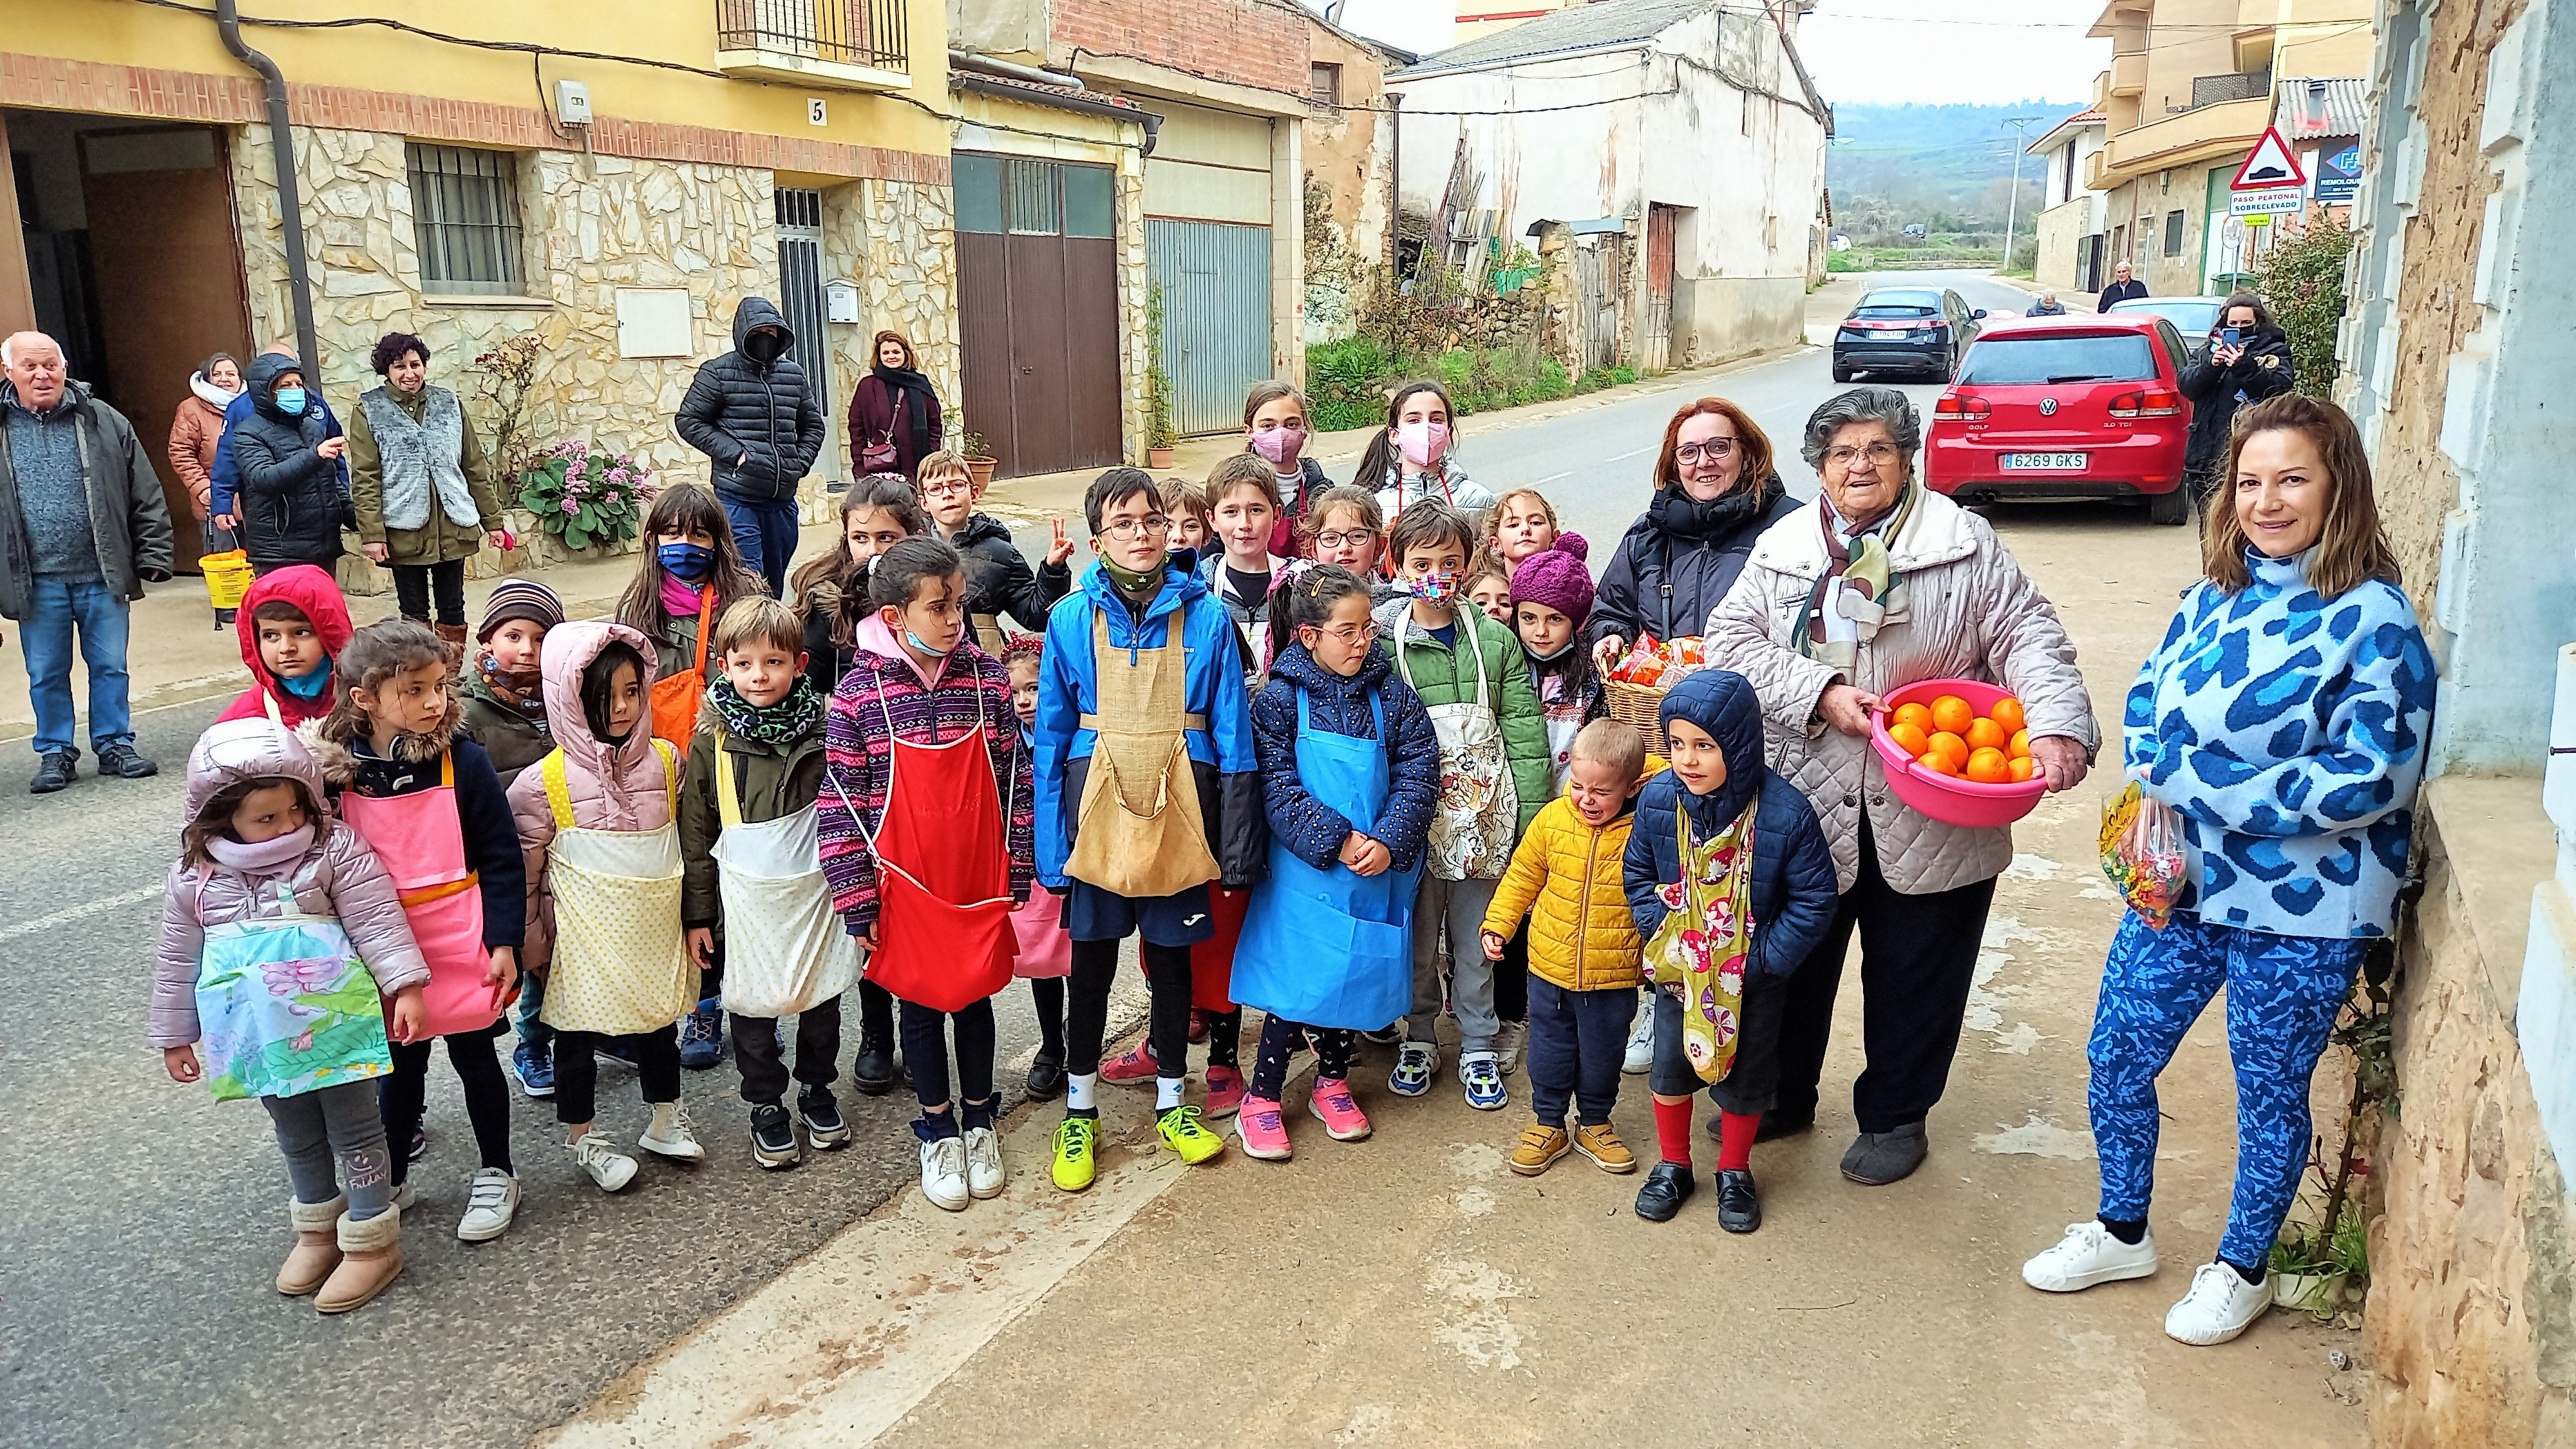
<point x="2152" y="402"/>
<point x="1957" y="407"/>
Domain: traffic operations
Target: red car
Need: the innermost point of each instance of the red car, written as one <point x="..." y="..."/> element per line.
<point x="2048" y="409"/>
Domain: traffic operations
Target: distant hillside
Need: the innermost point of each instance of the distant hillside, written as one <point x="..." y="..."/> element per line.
<point x="1947" y="167"/>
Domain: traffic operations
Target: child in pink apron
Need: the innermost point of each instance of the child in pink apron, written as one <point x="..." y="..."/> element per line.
<point x="428" y="803"/>
<point x="1046" y="947"/>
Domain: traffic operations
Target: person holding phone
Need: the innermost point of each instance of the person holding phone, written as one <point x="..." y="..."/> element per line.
<point x="2247" y="360"/>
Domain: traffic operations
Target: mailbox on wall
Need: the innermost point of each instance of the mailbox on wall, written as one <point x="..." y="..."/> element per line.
<point x="840" y="301"/>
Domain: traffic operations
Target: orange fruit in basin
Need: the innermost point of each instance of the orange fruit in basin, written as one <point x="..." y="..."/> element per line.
<point x="1909" y="738"/>
<point x="2007" y="712"/>
<point x="1952" y="748"/>
<point x="2020" y="747"/>
<point x="1938" y="763"/>
<point x="1988" y="767"/>
<point x="2019" y="770"/>
<point x="1917" y="715"/>
<point x="1985" y="734"/>
<point x="1951" y="715"/>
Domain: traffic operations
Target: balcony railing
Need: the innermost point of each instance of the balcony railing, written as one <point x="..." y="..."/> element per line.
<point x="2212" y="90"/>
<point x="868" y="33"/>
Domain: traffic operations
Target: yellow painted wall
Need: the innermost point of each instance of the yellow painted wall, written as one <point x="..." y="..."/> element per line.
<point x="120" y="32"/>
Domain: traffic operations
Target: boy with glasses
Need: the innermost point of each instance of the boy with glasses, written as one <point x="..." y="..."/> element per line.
<point x="1147" y="790"/>
<point x="998" y="577"/>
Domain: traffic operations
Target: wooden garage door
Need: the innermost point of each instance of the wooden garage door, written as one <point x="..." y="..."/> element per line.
<point x="1037" y="298"/>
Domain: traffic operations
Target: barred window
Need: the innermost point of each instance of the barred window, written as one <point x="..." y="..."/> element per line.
<point x="465" y="213"/>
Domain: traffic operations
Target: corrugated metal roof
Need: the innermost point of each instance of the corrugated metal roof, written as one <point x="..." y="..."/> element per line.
<point x="1577" y="27"/>
<point x="2344" y="101"/>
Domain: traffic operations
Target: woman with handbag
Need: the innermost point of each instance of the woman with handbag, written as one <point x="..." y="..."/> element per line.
<point x="894" y="413"/>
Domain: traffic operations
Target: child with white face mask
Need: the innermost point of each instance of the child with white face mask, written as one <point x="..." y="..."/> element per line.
<point x="1411" y="458"/>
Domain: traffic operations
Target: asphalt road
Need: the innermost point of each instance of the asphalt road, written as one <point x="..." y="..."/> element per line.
<point x="144" y="1222"/>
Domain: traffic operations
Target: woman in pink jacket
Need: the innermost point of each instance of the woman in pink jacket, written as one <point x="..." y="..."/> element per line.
<point x="284" y="950"/>
<point x="603" y="857"/>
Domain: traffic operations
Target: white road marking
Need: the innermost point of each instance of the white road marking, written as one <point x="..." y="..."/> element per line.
<point x="68" y="914"/>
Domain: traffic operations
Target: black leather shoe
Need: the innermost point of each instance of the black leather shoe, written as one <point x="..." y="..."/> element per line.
<point x="1046" y="1077"/>
<point x="1739" y="1203"/>
<point x="54" y="771"/>
<point x="126" y="763"/>
<point x="1775" y="1126"/>
<point x="1667" y="1187"/>
<point x="872" y="1072"/>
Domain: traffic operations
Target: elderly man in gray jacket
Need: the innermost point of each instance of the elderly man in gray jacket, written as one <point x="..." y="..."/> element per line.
<point x="83" y="528"/>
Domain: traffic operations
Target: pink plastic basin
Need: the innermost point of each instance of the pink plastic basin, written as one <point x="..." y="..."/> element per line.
<point x="1948" y="798"/>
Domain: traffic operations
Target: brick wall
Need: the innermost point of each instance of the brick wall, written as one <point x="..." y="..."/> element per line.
<point x="1249" y="42"/>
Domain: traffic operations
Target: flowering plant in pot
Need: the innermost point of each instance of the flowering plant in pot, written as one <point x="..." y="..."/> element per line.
<point x="587" y="497"/>
<point x="970" y="444"/>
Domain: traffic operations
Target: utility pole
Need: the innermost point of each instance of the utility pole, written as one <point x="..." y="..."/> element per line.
<point x="2012" y="199"/>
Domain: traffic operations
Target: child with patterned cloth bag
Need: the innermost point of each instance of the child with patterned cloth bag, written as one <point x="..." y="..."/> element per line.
<point x="285" y="951"/>
<point x="596" y="826"/>
<point x="926" y="842"/>
<point x="753" y="888"/>
<point x="1732" y="885"/>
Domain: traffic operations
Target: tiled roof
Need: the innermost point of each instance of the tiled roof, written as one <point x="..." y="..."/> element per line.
<point x="2048" y="141"/>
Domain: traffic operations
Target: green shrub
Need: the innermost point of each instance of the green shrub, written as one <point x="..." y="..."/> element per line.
<point x="2302" y="281"/>
<point x="1623" y="375"/>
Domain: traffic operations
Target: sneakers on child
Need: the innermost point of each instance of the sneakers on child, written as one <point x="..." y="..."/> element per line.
<point x="1333" y="1105"/>
<point x="1641" y="1040"/>
<point x="984" y="1172"/>
<point x="403" y="1196"/>
<point x="773" y="1136"/>
<point x="1384" y="1036"/>
<point x="536" y="1068"/>
<point x="1539" y="1148"/>
<point x="825" y="1127"/>
<point x="596" y="1153"/>
<point x="1184" y="1133"/>
<point x="2220" y="1305"/>
<point x="2087" y="1255"/>
<point x="1416" y="1063"/>
<point x="671" y="1135"/>
<point x="1481" y="1077"/>
<point x="1132" y="1068"/>
<point x="1603" y="1146"/>
<point x="702" y="1036"/>
<point x="1509" y="1039"/>
<point x="943" y="1173"/>
<point x="1077" y="1153"/>
<point x="418" y="1147"/>
<point x="1263" y="1130"/>
<point x="1224" y="1092"/>
<point x="491" y="1200"/>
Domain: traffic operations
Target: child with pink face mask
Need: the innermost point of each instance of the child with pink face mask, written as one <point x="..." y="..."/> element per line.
<point x="1409" y="460"/>
<point x="1275" y="429"/>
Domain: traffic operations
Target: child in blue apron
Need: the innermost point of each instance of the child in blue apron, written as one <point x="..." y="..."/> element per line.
<point x="285" y="951"/>
<point x="1350" y="770"/>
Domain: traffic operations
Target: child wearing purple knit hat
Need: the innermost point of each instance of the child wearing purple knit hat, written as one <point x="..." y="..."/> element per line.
<point x="1551" y="602"/>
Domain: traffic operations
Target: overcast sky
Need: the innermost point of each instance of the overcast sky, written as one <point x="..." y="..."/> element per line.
<point x="1875" y="50"/>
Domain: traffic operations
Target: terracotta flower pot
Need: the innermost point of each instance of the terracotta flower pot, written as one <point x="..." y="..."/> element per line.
<point x="981" y="470"/>
<point x="1158" y="457"/>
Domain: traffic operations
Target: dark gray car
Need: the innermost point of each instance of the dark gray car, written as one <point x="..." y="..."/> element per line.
<point x="1918" y="330"/>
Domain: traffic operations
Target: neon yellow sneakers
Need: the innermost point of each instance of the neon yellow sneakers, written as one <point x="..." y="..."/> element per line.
<point x="1077" y="1153"/>
<point x="1183" y="1133"/>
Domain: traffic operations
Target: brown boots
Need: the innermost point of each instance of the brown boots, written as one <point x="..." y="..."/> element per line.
<point x="453" y="637"/>
<point x="370" y="1260"/>
<point x="317" y="1246"/>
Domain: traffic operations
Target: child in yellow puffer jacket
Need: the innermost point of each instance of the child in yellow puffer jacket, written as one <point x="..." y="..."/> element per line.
<point x="1584" y="950"/>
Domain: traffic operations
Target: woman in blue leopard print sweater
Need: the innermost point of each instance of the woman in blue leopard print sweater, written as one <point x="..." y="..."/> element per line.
<point x="2284" y="717"/>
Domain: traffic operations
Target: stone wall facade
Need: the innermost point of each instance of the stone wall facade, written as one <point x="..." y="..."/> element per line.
<point x="896" y="240"/>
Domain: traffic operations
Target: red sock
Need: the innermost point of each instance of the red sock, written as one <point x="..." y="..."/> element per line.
<point x="1735" y="1139"/>
<point x="1672" y="1131"/>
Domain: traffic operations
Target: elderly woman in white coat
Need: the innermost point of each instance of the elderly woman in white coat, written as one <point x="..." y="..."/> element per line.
<point x="1877" y="584"/>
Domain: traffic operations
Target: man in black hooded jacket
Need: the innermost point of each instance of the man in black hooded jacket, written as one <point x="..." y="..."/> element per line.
<point x="754" y="416"/>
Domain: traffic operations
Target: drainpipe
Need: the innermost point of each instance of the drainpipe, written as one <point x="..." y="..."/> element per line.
<point x="1394" y="176"/>
<point x="281" y="138"/>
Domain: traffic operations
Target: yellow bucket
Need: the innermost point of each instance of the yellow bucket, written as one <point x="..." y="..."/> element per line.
<point x="227" y="577"/>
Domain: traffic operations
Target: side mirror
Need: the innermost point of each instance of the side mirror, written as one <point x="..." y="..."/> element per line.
<point x="1978" y="315"/>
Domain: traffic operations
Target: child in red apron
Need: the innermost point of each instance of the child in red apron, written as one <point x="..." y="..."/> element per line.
<point x="1350" y="773"/>
<point x="426" y="800"/>
<point x="925" y="828"/>
<point x="1046" y="948"/>
<point x="284" y="951"/>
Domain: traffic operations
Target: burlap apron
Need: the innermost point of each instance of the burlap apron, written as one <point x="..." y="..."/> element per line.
<point x="1138" y="832"/>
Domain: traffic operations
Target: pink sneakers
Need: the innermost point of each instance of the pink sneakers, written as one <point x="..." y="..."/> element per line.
<point x="1263" y="1131"/>
<point x="1224" y="1092"/>
<point x="1134" y="1068"/>
<point x="1332" y="1105"/>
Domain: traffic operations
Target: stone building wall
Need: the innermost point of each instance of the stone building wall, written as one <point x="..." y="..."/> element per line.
<point x="896" y="240"/>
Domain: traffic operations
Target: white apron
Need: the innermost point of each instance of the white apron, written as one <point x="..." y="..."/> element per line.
<point x="785" y="947"/>
<point x="1478" y="811"/>
<point x="621" y="965"/>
